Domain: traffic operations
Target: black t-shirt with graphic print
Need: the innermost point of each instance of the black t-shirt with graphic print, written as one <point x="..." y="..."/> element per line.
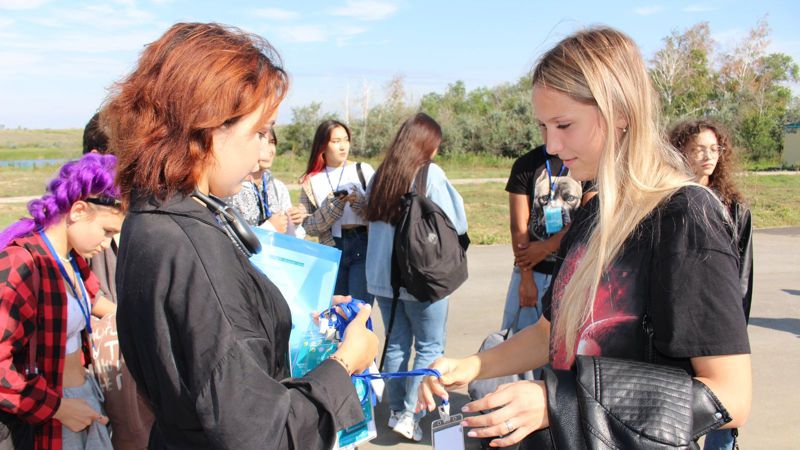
<point x="529" y="177"/>
<point x="680" y="265"/>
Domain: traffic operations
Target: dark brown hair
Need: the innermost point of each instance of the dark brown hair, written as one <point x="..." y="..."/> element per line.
<point x="94" y="138"/>
<point x="316" y="160"/>
<point x="413" y="146"/>
<point x="193" y="79"/>
<point x="682" y="134"/>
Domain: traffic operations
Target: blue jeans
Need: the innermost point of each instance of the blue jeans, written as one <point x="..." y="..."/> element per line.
<point x="719" y="440"/>
<point x="352" y="276"/>
<point x="424" y="325"/>
<point x="528" y="315"/>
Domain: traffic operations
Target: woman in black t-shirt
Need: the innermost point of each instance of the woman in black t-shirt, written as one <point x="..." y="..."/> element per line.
<point x="646" y="274"/>
<point x="706" y="146"/>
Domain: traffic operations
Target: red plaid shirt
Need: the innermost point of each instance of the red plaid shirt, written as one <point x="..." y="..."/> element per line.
<point x="31" y="280"/>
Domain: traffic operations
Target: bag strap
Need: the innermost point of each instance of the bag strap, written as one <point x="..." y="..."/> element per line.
<point x="421" y="180"/>
<point x="511" y="329"/>
<point x="395" y="299"/>
<point x="361" y="176"/>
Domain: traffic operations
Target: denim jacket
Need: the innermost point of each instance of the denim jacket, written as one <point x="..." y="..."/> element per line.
<point x="381" y="234"/>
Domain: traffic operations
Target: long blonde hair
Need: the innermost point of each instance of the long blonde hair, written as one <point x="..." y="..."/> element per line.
<point x="637" y="169"/>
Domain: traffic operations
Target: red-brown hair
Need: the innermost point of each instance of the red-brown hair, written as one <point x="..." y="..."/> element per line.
<point x="316" y="160"/>
<point x="721" y="180"/>
<point x="417" y="139"/>
<point x="193" y="79"/>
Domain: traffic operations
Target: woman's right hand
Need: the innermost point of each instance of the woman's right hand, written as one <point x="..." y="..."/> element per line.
<point x="456" y="373"/>
<point x="360" y="345"/>
<point x="77" y="415"/>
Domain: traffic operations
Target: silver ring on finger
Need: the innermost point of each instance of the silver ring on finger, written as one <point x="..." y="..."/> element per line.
<point x="509" y="427"/>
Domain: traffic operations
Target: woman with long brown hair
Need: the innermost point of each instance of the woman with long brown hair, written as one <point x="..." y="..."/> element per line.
<point x="333" y="191"/>
<point x="422" y="324"/>
<point x="204" y="333"/>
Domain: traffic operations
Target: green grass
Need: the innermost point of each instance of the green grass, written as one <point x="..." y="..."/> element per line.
<point x="773" y="199"/>
<point x="40" y="144"/>
<point x="11" y="213"/>
<point x="19" y="181"/>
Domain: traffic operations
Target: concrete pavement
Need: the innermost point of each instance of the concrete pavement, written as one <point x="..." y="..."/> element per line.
<point x="476" y="310"/>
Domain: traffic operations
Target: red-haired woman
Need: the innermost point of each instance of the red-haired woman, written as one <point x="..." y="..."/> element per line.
<point x="706" y="146"/>
<point x="204" y="333"/>
<point x="334" y="194"/>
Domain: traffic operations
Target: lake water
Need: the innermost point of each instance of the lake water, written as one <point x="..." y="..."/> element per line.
<point x="27" y="163"/>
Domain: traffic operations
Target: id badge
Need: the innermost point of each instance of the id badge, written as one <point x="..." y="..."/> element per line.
<point x="448" y="434"/>
<point x="553" y="220"/>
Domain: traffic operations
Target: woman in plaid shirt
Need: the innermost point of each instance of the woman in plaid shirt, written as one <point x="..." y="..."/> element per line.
<point x="47" y="293"/>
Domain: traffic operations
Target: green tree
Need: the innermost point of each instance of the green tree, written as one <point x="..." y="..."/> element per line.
<point x="298" y="136"/>
<point x="682" y="74"/>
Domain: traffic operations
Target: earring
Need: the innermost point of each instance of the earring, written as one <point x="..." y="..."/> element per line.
<point x="624" y="130"/>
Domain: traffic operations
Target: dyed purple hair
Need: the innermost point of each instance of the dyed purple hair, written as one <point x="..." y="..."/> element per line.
<point x="90" y="176"/>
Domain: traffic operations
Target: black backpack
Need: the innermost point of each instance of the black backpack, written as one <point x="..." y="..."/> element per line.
<point x="429" y="258"/>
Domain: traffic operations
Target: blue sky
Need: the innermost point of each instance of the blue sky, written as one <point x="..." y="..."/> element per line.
<point x="57" y="58"/>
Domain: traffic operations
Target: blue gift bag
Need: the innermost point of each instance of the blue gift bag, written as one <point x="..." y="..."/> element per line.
<point x="305" y="273"/>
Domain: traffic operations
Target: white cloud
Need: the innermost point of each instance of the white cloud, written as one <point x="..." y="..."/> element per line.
<point x="348" y="33"/>
<point x="366" y="9"/>
<point x="699" y="7"/>
<point x="81" y="42"/>
<point x="22" y="4"/>
<point x="102" y="16"/>
<point x="275" y="14"/>
<point x="303" y="33"/>
<point x="649" y="10"/>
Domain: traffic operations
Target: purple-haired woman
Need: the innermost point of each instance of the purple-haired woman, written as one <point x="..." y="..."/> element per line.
<point x="48" y="400"/>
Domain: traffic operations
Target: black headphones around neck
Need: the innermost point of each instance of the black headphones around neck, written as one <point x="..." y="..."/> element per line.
<point x="232" y="222"/>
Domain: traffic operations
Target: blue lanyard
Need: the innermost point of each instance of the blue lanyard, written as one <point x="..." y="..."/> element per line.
<point x="550" y="177"/>
<point x="86" y="310"/>
<point x="350" y="309"/>
<point x="263" y="197"/>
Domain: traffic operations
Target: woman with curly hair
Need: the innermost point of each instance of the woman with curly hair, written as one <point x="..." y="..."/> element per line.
<point x="706" y="146"/>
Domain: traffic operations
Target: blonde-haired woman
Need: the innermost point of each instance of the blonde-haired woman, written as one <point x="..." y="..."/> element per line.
<point x="645" y="297"/>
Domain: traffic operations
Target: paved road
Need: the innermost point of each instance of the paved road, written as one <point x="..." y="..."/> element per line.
<point x="774" y="330"/>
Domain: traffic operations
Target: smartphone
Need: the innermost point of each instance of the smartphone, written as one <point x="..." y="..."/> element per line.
<point x="448" y="435"/>
<point x="341" y="193"/>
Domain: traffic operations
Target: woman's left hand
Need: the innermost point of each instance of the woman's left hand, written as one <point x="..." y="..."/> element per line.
<point x="522" y="410"/>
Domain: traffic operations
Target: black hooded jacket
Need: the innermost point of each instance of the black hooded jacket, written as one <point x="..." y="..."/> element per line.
<point x="205" y="335"/>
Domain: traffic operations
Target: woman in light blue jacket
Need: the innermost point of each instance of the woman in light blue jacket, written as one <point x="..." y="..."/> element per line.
<point x="422" y="324"/>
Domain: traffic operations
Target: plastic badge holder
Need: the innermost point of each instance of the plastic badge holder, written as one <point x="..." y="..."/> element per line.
<point x="553" y="219"/>
<point x="448" y="434"/>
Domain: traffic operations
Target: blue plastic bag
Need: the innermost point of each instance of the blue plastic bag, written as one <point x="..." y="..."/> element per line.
<point x="305" y="273"/>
